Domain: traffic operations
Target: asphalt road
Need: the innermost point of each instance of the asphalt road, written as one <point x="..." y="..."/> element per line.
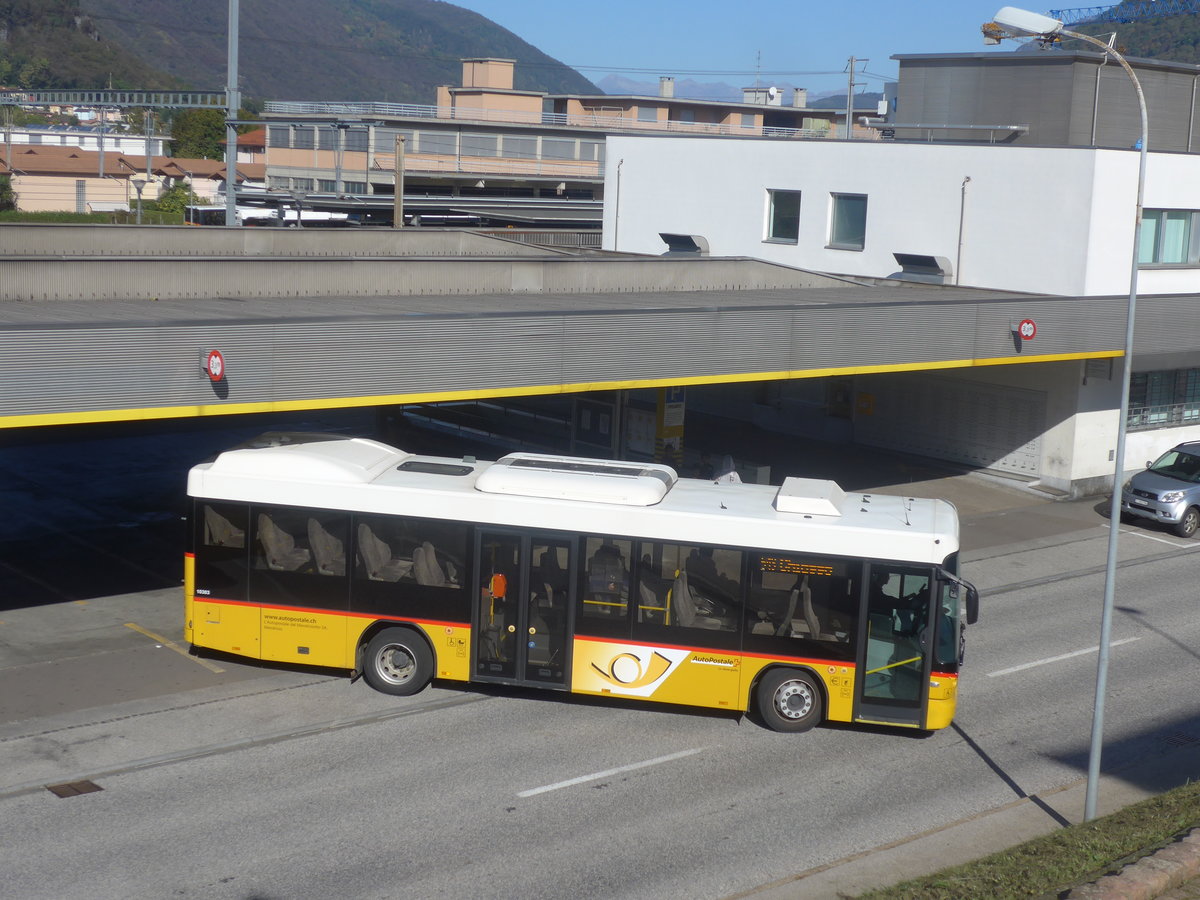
<point x="218" y="778"/>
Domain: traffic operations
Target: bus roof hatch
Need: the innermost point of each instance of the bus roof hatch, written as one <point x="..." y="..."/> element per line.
<point x="810" y="497"/>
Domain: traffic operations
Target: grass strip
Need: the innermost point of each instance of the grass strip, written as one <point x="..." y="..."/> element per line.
<point x="1075" y="855"/>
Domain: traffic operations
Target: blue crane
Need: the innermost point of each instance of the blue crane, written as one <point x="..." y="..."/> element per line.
<point x="1129" y="11"/>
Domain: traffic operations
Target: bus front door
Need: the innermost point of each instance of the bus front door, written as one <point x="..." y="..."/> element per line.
<point x="521" y="609"/>
<point x="894" y="659"/>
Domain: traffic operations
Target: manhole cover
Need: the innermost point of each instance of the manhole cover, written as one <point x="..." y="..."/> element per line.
<point x="73" y="788"/>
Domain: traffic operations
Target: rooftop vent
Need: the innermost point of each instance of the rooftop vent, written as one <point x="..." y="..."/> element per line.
<point x="810" y="497"/>
<point x="923" y="269"/>
<point x="684" y="244"/>
<point x="573" y="478"/>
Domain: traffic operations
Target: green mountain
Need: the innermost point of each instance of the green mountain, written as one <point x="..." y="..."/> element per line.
<point x="388" y="50"/>
<point x="54" y="44"/>
<point x="391" y="50"/>
<point x="1175" y="38"/>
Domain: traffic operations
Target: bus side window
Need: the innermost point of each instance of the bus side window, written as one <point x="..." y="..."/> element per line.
<point x="805" y="597"/>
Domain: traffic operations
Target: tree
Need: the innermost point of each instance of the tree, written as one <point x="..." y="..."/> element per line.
<point x="197" y="134"/>
<point x="8" y="200"/>
<point x="176" y="197"/>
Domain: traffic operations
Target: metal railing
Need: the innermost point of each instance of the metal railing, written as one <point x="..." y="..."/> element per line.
<point x="1146" y="418"/>
<point x="604" y="123"/>
<point x="581" y="240"/>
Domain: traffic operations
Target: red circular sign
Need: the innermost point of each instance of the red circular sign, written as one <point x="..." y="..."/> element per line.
<point x="1027" y="329"/>
<point x="215" y="365"/>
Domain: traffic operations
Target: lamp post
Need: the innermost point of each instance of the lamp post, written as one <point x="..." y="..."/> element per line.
<point x="139" y="185"/>
<point x="1013" y="22"/>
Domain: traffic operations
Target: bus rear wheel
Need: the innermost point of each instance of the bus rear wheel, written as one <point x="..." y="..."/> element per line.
<point x="398" y="662"/>
<point x="789" y="700"/>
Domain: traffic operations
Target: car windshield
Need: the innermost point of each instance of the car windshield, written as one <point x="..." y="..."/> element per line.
<point x="1177" y="464"/>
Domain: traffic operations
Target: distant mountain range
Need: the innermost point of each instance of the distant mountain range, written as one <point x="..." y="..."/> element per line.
<point x="389" y="50"/>
<point x="689" y="89"/>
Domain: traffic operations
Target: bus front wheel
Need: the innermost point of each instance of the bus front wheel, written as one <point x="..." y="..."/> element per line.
<point x="789" y="700"/>
<point x="398" y="661"/>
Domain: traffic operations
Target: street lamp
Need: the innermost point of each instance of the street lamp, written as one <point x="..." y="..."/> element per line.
<point x="138" y="185"/>
<point x="1013" y="22"/>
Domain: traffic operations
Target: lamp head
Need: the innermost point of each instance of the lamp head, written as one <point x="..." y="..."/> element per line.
<point x="1022" y="23"/>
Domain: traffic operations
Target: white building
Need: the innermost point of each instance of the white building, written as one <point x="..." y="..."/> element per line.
<point x="1041" y="219"/>
<point x="90" y="138"/>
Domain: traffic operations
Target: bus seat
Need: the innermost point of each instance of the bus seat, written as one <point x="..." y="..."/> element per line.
<point x="684" y="604"/>
<point x="426" y="568"/>
<point x="785" y="627"/>
<point x="377" y="557"/>
<point x="810" y="616"/>
<point x="650" y="608"/>
<point x="220" y="532"/>
<point x="279" y="547"/>
<point x="327" y="550"/>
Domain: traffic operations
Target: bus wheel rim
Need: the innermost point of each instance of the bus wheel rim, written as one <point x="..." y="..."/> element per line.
<point x="396" y="663"/>
<point x="794" y="700"/>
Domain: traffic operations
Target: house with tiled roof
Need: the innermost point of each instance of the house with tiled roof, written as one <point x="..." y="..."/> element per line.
<point x="66" y="179"/>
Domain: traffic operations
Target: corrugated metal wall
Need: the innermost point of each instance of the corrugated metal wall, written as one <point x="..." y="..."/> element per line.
<point x="504" y="345"/>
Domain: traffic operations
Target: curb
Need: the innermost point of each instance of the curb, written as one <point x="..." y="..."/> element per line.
<point x="1149" y="877"/>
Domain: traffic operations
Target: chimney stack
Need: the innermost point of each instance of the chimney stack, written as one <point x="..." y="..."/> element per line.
<point x="666" y="86"/>
<point x="800" y="98"/>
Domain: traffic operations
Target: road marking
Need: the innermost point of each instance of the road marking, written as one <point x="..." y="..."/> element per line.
<point x="582" y="779"/>
<point x="171" y="645"/>
<point x="1151" y="537"/>
<point x="1051" y="659"/>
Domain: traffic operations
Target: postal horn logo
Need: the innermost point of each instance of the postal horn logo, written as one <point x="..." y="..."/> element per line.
<point x="627" y="671"/>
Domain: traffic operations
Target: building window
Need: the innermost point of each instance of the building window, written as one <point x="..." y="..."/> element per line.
<point x="848" y="225"/>
<point x="480" y="145"/>
<point x="1169" y="237"/>
<point x="647" y="113"/>
<point x="1164" y="399"/>
<point x="687" y="116"/>
<point x="440" y="143"/>
<point x="783" y="216"/>
<point x="327" y="185"/>
<point x="279" y="135"/>
<point x="748" y="120"/>
<point x="355" y="187"/>
<point x="356" y="139"/>
<point x="520" y="147"/>
<point x="385" y="139"/>
<point x="303" y="138"/>
<point x="327" y="138"/>
<point x="302" y="184"/>
<point x="556" y="148"/>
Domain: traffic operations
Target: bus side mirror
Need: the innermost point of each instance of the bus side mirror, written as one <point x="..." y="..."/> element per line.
<point x="972" y="606"/>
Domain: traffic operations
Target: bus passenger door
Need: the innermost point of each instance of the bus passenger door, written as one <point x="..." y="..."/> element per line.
<point x="523" y="601"/>
<point x="893" y="657"/>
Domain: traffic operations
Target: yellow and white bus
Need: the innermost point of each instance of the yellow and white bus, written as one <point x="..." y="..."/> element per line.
<point x="616" y="579"/>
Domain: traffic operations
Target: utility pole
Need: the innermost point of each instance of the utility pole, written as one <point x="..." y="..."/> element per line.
<point x="398" y="198"/>
<point x="850" y="100"/>
<point x="233" y="102"/>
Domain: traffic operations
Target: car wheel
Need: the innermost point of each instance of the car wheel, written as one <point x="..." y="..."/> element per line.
<point x="1188" y="524"/>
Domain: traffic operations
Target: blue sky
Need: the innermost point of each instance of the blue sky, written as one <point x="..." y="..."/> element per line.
<point x="674" y="37"/>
